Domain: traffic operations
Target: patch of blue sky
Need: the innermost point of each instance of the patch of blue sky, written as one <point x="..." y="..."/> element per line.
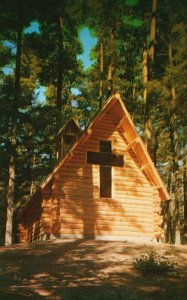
<point x="8" y="70"/>
<point x="88" y="41"/>
<point x="75" y="91"/>
<point x="33" y="27"/>
<point x="74" y="103"/>
<point x="40" y="94"/>
<point x="11" y="46"/>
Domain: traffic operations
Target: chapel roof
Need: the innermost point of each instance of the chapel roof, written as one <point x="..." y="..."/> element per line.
<point x="124" y="124"/>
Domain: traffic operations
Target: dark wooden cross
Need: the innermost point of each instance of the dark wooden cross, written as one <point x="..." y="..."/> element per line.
<point x="106" y="159"/>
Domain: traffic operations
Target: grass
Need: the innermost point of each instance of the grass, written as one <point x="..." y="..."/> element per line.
<point x="153" y="263"/>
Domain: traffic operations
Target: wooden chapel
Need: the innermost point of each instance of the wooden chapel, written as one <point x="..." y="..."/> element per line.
<point x="104" y="186"/>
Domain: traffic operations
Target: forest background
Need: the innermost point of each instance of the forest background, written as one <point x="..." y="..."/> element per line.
<point x="140" y="51"/>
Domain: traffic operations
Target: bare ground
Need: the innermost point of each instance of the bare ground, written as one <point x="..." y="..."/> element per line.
<point x="88" y="270"/>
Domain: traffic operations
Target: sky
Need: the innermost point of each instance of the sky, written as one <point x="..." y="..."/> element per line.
<point x="88" y="42"/>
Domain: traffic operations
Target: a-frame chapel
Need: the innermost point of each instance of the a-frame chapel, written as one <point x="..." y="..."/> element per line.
<point x="104" y="186"/>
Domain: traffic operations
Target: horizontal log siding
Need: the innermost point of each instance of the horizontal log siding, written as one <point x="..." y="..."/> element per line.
<point x="71" y="203"/>
<point x="76" y="185"/>
<point x="30" y="229"/>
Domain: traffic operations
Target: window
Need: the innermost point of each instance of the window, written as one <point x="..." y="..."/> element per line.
<point x="69" y="138"/>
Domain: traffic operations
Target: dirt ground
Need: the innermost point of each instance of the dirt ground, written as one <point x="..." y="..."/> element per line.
<point x="88" y="270"/>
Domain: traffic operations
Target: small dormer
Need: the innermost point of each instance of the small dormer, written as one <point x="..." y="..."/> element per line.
<point x="66" y="137"/>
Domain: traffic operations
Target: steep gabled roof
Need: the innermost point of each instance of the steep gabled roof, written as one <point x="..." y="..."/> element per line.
<point x="124" y="125"/>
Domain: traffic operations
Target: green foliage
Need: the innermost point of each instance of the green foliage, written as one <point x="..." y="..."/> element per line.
<point x="128" y="22"/>
<point x="152" y="263"/>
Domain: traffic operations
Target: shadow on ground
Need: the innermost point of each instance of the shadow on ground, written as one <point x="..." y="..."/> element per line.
<point x="86" y="270"/>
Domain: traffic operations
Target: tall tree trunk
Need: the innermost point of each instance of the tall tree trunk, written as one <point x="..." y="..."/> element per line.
<point x="147" y="128"/>
<point x="185" y="187"/>
<point x="134" y="85"/>
<point x="168" y="216"/>
<point x="155" y="149"/>
<point x="153" y="30"/>
<point x="175" y="155"/>
<point x="32" y="166"/>
<point x="59" y="71"/>
<point x="11" y="180"/>
<point x="101" y="70"/>
<point x="145" y="73"/>
<point x="110" y="67"/>
<point x="148" y="69"/>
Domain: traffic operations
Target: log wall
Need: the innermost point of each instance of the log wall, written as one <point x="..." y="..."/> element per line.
<point x="30" y="227"/>
<point x="72" y="205"/>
